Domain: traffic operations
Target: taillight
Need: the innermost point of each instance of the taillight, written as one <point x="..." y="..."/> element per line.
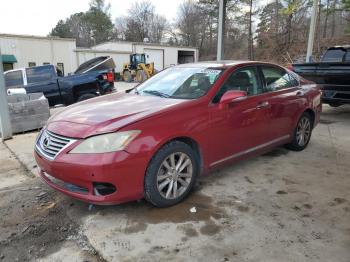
<point x="110" y="77"/>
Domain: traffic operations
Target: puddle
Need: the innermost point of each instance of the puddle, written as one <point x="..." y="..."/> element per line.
<point x="141" y="213"/>
<point x="189" y="230"/>
<point x="210" y="229"/>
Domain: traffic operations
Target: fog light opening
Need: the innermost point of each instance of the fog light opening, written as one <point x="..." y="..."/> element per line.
<point x="103" y="189"/>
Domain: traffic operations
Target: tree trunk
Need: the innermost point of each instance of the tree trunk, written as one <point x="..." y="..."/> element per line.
<point x="289" y="30"/>
<point x="333" y="18"/>
<point x="277" y="18"/>
<point x="326" y="20"/>
<point x="318" y="31"/>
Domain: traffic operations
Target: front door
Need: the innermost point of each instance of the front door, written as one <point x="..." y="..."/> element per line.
<point x="243" y="126"/>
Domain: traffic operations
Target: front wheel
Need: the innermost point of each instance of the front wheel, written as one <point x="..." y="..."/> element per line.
<point x="302" y="133"/>
<point x="171" y="174"/>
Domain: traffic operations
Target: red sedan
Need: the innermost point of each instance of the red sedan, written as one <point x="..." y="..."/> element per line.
<point x="155" y="140"/>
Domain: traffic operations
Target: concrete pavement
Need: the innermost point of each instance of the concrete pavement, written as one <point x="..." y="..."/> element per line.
<point x="282" y="206"/>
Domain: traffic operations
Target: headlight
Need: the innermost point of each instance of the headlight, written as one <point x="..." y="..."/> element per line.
<point x="105" y="143"/>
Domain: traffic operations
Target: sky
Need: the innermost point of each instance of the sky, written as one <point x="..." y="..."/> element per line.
<point x="38" y="17"/>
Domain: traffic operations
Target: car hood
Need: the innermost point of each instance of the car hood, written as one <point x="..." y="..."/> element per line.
<point x="106" y="114"/>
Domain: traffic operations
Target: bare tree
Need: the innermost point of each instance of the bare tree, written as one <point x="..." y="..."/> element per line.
<point x="141" y="22"/>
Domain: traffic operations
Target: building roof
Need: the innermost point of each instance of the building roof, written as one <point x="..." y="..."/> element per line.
<point x="144" y="43"/>
<point x="37" y="37"/>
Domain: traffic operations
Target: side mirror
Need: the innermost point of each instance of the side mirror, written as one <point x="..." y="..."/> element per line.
<point x="232" y="96"/>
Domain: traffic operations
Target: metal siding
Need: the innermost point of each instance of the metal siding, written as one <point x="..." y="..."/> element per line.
<point x="156" y="56"/>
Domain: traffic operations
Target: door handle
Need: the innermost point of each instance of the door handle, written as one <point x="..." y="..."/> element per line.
<point x="262" y="105"/>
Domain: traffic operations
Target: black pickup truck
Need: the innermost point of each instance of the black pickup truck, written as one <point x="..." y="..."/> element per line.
<point x="92" y="78"/>
<point x="332" y="73"/>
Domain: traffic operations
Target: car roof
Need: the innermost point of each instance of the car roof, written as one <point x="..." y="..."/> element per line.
<point x="220" y="64"/>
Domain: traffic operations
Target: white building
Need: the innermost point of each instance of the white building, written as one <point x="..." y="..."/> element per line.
<point x="25" y="51"/>
<point x="162" y="55"/>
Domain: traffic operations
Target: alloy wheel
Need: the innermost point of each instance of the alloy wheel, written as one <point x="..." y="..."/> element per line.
<point x="174" y="175"/>
<point x="303" y="131"/>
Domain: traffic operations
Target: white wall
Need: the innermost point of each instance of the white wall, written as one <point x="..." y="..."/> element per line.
<point x="39" y="50"/>
<point x="170" y="52"/>
<point x="170" y="57"/>
<point x="46" y="50"/>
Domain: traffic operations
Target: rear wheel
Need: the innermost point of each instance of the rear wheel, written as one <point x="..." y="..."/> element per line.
<point x="85" y="97"/>
<point x="171" y="174"/>
<point x="302" y="133"/>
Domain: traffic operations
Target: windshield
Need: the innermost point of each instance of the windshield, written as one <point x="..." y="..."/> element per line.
<point x="180" y="82"/>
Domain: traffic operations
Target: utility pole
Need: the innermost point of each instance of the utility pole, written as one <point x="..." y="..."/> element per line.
<point x="221" y="26"/>
<point x="5" y="124"/>
<point x="250" y="33"/>
<point x="310" y="43"/>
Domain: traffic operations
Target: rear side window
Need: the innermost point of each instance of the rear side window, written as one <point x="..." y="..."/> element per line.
<point x="39" y="74"/>
<point x="333" y="55"/>
<point x="277" y="79"/>
<point x="14" y="79"/>
<point x="347" y="56"/>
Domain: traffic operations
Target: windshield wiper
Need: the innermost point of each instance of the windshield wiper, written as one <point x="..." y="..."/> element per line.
<point x="156" y="93"/>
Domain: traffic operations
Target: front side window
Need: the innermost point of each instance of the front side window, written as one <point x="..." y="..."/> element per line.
<point x="244" y="79"/>
<point x="277" y="78"/>
<point x="39" y="74"/>
<point x="180" y="83"/>
<point x="14" y="79"/>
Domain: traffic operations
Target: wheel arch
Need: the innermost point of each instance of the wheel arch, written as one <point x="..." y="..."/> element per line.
<point x="86" y="88"/>
<point x="189" y="141"/>
<point x="312" y="114"/>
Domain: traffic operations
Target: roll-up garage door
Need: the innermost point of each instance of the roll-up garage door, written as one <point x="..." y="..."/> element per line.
<point x="156" y="56"/>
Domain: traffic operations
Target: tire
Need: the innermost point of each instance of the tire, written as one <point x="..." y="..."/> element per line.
<point x="141" y="76"/>
<point x="302" y="133"/>
<point x="85" y="97"/>
<point x="127" y="76"/>
<point x="334" y="105"/>
<point x="159" y="178"/>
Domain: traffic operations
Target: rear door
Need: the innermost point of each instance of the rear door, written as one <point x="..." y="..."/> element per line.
<point x="284" y="96"/>
<point x="44" y="79"/>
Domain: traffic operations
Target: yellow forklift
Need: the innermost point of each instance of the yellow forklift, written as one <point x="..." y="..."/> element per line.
<point x="137" y="69"/>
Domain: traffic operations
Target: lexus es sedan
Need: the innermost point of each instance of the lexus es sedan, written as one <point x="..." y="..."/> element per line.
<point x="154" y="141"/>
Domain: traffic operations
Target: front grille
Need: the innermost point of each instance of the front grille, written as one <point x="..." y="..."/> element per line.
<point x="50" y="144"/>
